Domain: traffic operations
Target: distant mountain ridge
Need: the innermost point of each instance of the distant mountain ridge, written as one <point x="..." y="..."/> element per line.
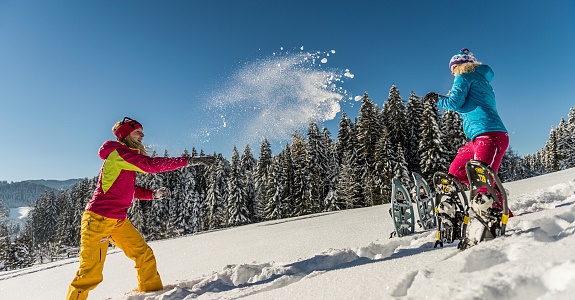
<point x="57" y="184"/>
<point x="25" y="193"/>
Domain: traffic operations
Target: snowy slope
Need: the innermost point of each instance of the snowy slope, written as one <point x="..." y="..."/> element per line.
<point x="347" y="255"/>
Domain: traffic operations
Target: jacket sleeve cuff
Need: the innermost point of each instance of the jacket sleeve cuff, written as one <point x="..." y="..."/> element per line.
<point x="143" y="194"/>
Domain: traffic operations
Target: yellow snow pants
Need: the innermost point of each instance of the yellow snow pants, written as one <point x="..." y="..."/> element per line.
<point x="96" y="231"/>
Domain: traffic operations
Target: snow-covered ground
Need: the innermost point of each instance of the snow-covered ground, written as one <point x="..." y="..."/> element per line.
<point x="348" y="255"/>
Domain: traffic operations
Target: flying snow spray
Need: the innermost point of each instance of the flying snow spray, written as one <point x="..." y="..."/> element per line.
<point x="275" y="96"/>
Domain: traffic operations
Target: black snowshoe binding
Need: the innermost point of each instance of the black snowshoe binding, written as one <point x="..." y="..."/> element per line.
<point x="451" y="209"/>
<point x="488" y="208"/>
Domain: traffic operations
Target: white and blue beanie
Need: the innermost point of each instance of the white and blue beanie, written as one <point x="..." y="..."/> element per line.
<point x="462" y="56"/>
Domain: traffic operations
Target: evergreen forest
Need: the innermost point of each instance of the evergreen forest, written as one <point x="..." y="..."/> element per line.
<point x="315" y="172"/>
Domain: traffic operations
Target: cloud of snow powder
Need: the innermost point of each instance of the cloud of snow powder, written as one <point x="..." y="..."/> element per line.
<point x="277" y="95"/>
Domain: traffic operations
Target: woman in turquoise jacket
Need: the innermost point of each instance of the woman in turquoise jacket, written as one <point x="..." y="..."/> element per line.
<point x="473" y="98"/>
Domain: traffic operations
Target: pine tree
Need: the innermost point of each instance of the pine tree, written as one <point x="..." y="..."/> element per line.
<point x="395" y="119"/>
<point x="321" y="167"/>
<point x="66" y="221"/>
<point x="237" y="204"/>
<point x="286" y="179"/>
<point x="413" y="113"/>
<point x="215" y="216"/>
<point x="345" y="138"/>
<point x="349" y="191"/>
<point x="247" y="167"/>
<point x="274" y="187"/>
<point x="552" y="155"/>
<point x="4" y="246"/>
<point x="303" y="201"/>
<point x="184" y="196"/>
<point x="569" y="160"/>
<point x="260" y="180"/>
<point x="213" y="207"/>
<point x="45" y="217"/>
<point x="201" y="187"/>
<point x="385" y="162"/>
<point x="20" y="254"/>
<point x="400" y="168"/>
<point x="349" y="182"/>
<point x="369" y="127"/>
<point x="4" y="211"/>
<point x="158" y="213"/>
<point x="430" y="146"/>
<point x="317" y="168"/>
<point x="564" y="144"/>
<point x="512" y="167"/>
<point x="331" y="169"/>
<point x="453" y="136"/>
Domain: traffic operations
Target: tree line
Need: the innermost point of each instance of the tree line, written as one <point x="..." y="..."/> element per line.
<point x="313" y="173"/>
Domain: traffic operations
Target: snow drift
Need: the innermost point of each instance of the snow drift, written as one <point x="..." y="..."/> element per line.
<point x="347" y="255"/>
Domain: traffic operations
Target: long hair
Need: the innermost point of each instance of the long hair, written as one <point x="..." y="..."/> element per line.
<point x="131" y="142"/>
<point x="465" y="68"/>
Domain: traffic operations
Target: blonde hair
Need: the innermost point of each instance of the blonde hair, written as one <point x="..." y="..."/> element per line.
<point x="465" y="68"/>
<point x="130" y="141"/>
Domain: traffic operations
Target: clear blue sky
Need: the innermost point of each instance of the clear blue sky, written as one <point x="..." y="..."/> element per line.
<point x="70" y="69"/>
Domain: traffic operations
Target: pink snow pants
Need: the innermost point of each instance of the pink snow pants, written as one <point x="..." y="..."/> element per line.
<point x="488" y="148"/>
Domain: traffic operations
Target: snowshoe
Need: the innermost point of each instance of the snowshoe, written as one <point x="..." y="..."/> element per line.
<point x="424" y="202"/>
<point x="488" y="208"/>
<point x="401" y="210"/>
<point x="451" y="207"/>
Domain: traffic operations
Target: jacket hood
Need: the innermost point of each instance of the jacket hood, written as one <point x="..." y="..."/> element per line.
<point x="485" y="71"/>
<point x="108" y="147"/>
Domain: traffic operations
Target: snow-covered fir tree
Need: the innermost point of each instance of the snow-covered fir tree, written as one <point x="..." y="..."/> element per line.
<point x="260" y="180"/>
<point x="158" y="215"/>
<point x="247" y="168"/>
<point x="18" y="254"/>
<point x="565" y="144"/>
<point x="273" y="209"/>
<point x="237" y="204"/>
<point x="430" y="146"/>
<point x="44" y="218"/>
<point x="317" y="166"/>
<point x="395" y="119"/>
<point x="349" y="188"/>
<point x="385" y="162"/>
<point x="552" y="156"/>
<point x="331" y="169"/>
<point x="286" y="180"/>
<point x="215" y="203"/>
<point x="413" y="114"/>
<point x="569" y="160"/>
<point x="513" y="167"/>
<point x="344" y="137"/>
<point x="453" y="137"/>
<point x="201" y="188"/>
<point x="400" y="170"/>
<point x="303" y="202"/>
<point x="369" y="128"/>
<point x="184" y="198"/>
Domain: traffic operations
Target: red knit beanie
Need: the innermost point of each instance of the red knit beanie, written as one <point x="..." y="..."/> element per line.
<point x="126" y="127"/>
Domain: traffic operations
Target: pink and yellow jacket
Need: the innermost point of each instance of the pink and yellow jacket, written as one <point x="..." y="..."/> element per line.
<point x="116" y="188"/>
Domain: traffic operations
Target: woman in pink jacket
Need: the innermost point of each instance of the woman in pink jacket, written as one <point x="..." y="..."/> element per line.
<point x="105" y="217"/>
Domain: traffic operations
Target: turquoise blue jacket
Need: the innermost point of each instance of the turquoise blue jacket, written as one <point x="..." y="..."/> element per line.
<point x="473" y="98"/>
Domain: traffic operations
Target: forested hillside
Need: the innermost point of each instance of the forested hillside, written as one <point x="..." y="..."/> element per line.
<point x="314" y="173"/>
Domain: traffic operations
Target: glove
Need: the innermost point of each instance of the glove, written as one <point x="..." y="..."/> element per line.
<point x="161" y="193"/>
<point x="431" y="96"/>
<point x="207" y="160"/>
